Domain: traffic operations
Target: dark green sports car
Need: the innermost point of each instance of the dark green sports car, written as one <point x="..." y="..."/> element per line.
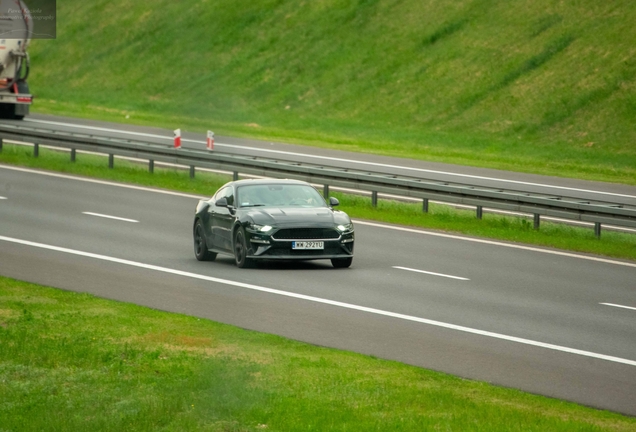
<point x="272" y="219"/>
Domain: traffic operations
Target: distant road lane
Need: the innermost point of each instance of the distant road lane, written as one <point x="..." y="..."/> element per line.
<point x="430" y="170"/>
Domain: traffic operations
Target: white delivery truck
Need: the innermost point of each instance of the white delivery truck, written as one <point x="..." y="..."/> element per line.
<point x="16" y="28"/>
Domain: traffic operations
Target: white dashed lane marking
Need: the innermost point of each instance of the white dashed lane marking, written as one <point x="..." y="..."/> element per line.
<point x="619" y="306"/>
<point x="110" y="217"/>
<point x="431" y="273"/>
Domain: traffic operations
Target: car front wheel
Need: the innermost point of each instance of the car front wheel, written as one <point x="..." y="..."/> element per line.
<point x="240" y="250"/>
<point x="341" y="262"/>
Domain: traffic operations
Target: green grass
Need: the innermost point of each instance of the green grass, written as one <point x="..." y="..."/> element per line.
<point x="440" y="217"/>
<point x="72" y="361"/>
<point x="537" y="86"/>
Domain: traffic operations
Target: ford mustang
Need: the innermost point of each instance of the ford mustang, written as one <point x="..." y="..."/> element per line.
<point x="272" y="220"/>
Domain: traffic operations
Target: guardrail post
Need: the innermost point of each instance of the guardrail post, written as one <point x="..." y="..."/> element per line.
<point x="151" y="166"/>
<point x="480" y="212"/>
<point x="325" y="191"/>
<point x="597" y="229"/>
<point x="235" y="176"/>
<point x="537" y="221"/>
<point x="0" y="144"/>
<point x="425" y="205"/>
<point x="374" y="198"/>
<point x="111" y="161"/>
<point x="73" y="154"/>
<point x="191" y="171"/>
<point x="36" y="150"/>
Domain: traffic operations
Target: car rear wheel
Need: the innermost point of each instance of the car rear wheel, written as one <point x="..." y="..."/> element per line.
<point x="240" y="250"/>
<point x="341" y="262"/>
<point x="201" y="251"/>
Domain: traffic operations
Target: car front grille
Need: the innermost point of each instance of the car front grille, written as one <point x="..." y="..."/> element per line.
<point x="331" y="248"/>
<point x="306" y="234"/>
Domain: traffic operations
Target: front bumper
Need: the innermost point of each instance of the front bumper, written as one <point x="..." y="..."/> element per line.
<point x="268" y="247"/>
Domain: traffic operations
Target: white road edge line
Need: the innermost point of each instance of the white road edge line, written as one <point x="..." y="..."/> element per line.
<point x="110" y="217"/>
<point x="397" y="228"/>
<point x="495" y="243"/>
<point x="101" y="182"/>
<point x="430" y="273"/>
<point x="334" y="159"/>
<point x="326" y="301"/>
<point x="618" y="306"/>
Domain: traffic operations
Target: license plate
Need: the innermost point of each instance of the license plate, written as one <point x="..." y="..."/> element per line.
<point x="308" y="245"/>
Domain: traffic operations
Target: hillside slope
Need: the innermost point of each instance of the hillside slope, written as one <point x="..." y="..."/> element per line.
<point x="528" y="85"/>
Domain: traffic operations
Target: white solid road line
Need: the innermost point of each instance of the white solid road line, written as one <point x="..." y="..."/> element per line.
<point x="101" y="182"/>
<point x="359" y="222"/>
<point x="618" y="306"/>
<point x="431" y="273"/>
<point x="333" y="158"/>
<point x="496" y="243"/>
<point x="326" y="301"/>
<point x="110" y="217"/>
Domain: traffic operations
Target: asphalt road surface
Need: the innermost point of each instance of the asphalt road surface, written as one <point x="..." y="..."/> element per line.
<point x="547" y="322"/>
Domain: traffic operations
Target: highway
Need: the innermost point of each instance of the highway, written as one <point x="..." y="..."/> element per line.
<point x="548" y="322"/>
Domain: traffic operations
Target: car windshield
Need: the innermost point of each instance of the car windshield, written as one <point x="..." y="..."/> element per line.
<point x="279" y="195"/>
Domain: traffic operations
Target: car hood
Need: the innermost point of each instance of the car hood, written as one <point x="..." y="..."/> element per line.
<point x="297" y="216"/>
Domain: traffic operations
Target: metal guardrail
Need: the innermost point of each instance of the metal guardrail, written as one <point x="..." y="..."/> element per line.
<point x="572" y="208"/>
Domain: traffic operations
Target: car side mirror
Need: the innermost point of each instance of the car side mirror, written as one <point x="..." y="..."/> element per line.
<point x="221" y="202"/>
<point x="333" y="201"/>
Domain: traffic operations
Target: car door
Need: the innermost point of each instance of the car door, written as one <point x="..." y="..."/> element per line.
<point x="215" y="216"/>
<point x="221" y="218"/>
<point x="226" y="220"/>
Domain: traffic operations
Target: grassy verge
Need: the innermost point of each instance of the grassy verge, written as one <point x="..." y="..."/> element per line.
<point x="510" y="154"/>
<point x="514" y="229"/>
<point x="72" y="361"/>
<point x="535" y="86"/>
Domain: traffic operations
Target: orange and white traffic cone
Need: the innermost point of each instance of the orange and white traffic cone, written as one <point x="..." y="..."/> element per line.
<point x="177" y="138"/>
<point x="210" y="143"/>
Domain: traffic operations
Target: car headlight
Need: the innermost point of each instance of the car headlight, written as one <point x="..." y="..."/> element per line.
<point x="261" y="228"/>
<point x="345" y="228"/>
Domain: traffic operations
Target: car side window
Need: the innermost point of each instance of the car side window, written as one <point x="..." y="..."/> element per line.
<point x="228" y="193"/>
<point x="220" y="194"/>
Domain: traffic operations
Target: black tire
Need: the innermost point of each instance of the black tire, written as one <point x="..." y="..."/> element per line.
<point x="23" y="87"/>
<point x="201" y="251"/>
<point x="342" y="262"/>
<point x="240" y="250"/>
<point x="7" y="111"/>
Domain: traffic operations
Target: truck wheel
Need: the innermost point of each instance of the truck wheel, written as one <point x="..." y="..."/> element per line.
<point x="23" y="87"/>
<point x="7" y="111"/>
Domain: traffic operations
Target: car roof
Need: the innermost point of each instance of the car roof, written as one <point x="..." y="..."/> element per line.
<point x="266" y="182"/>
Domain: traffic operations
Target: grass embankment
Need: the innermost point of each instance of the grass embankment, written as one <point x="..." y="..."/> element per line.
<point x="537" y="86"/>
<point x="73" y="362"/>
<point x="440" y="217"/>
